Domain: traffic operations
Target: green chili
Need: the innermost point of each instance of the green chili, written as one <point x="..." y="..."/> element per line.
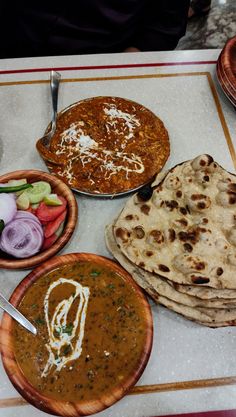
<point x="13" y="189"/>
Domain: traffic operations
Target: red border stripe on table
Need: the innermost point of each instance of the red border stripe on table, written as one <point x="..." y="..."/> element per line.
<point x="97" y="67"/>
<point x="222" y="413"/>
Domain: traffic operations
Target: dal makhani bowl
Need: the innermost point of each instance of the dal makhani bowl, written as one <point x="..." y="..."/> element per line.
<point x="94" y="335"/>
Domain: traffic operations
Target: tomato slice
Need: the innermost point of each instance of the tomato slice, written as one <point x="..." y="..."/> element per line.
<point x="51" y="227"/>
<point x="49" y="242"/>
<point x="48" y="213"/>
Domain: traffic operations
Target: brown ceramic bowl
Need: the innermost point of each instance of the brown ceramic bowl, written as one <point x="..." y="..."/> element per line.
<point x="224" y="83"/>
<point x="110" y="395"/>
<point x="58" y="187"/>
<point x="228" y="61"/>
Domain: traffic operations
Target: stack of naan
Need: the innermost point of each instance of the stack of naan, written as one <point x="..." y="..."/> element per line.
<point x="178" y="241"/>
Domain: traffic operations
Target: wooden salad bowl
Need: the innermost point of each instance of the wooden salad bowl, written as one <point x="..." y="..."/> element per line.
<point x="76" y="407"/>
<point x="58" y="187"/>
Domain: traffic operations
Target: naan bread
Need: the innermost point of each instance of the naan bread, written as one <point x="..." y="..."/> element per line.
<point x="157" y="283"/>
<point x="207" y="293"/>
<point x="165" y="294"/>
<point x="186" y="231"/>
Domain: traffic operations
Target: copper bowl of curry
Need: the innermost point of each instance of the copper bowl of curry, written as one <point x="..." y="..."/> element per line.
<point x="94" y="335"/>
<point x="69" y="223"/>
<point x="106" y="146"/>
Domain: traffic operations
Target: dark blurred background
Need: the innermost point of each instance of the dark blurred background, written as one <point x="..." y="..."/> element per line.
<point x="213" y="30"/>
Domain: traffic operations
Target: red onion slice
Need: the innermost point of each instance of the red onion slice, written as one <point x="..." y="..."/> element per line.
<point x="32" y="223"/>
<point x="22" y="214"/>
<point x="21" y="238"/>
<point x="8" y="207"/>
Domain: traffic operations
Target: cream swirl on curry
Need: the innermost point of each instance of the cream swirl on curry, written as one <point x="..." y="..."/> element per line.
<point x="92" y="331"/>
<point x="76" y="145"/>
<point x="59" y="338"/>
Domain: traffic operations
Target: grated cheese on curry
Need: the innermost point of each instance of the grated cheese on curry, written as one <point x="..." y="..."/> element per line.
<point x="108" y="145"/>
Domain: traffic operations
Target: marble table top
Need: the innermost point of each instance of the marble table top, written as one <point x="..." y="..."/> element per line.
<point x="191" y="368"/>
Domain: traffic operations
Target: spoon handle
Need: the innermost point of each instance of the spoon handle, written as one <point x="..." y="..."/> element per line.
<point x="13" y="312"/>
<point x="55" y="81"/>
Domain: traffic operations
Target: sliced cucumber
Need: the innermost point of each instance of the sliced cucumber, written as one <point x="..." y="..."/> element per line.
<point x="15" y="183"/>
<point x="39" y="191"/>
<point x="23" y="201"/>
<point x="35" y="206"/>
<point x="52" y="200"/>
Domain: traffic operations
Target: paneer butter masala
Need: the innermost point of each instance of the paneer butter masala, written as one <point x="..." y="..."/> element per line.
<point x="91" y="332"/>
<point x="107" y="145"/>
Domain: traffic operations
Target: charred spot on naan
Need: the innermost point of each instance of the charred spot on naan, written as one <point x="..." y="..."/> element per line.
<point x="226" y="199"/>
<point x="122" y="234"/>
<point x="179" y="194"/>
<point x="173" y="182"/>
<point x="139" y="232"/>
<point x="171" y="204"/>
<point x="171" y="235"/>
<point x="184" y="210"/>
<point x="198" y="202"/>
<point x="163" y="268"/>
<point x="186" y="263"/>
<point x="181" y="222"/>
<point x="193" y="234"/>
<point x="130" y="217"/>
<point x="149" y="253"/>
<point x="232" y="187"/>
<point x="155" y="237"/>
<point x="145" y="208"/>
<point x="199" y="279"/>
<point x="187" y="247"/>
<point x="202" y="161"/>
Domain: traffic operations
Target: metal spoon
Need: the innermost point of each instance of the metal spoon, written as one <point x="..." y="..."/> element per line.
<point x="54" y="83"/>
<point x="13" y="312"/>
